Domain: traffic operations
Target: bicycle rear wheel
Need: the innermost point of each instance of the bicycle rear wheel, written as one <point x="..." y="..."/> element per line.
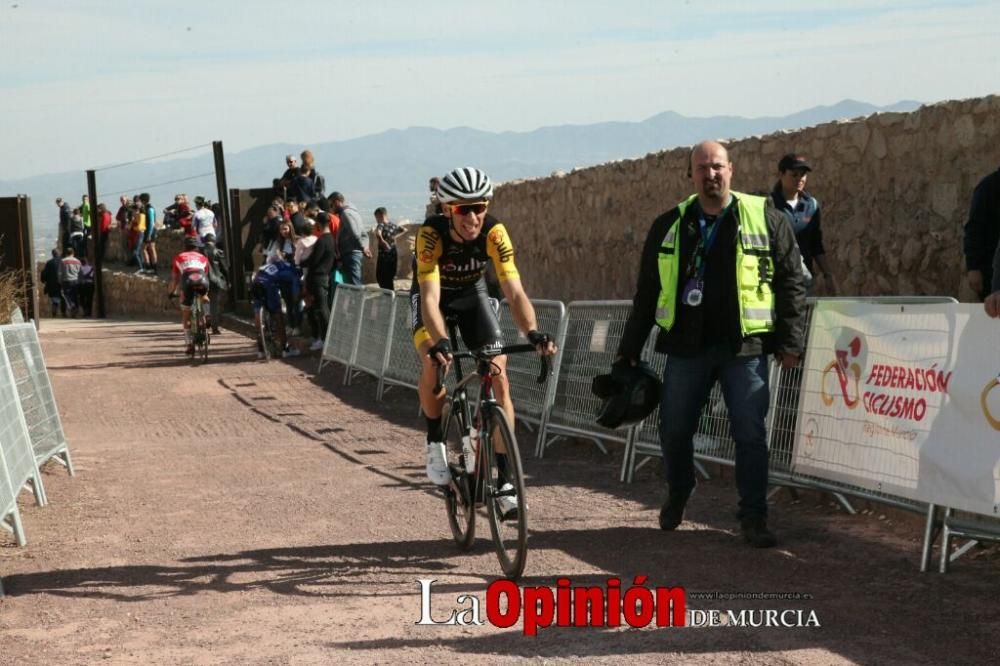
<point x="510" y="531"/>
<point x="460" y="493"/>
<point x="206" y="337"/>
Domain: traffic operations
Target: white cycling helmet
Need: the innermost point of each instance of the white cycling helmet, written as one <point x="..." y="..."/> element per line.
<point x="467" y="183"/>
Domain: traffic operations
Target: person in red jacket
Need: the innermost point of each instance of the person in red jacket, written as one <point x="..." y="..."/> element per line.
<point x="104" y="220"/>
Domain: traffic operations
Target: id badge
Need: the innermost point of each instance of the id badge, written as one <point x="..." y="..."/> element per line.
<point x="692" y="294"/>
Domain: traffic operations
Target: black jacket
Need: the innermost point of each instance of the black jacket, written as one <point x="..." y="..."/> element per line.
<point x="320" y="261"/>
<point x="982" y="231"/>
<point x="717" y="319"/>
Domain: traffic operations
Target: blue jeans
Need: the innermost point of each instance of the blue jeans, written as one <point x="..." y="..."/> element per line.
<point x="350" y="266"/>
<point x="686" y="386"/>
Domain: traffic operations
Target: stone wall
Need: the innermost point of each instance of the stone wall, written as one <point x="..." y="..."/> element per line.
<point x="894" y="189"/>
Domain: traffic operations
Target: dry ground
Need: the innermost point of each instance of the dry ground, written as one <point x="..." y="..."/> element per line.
<point x="251" y="513"/>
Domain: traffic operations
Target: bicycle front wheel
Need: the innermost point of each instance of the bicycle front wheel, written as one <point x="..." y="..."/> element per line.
<point x="459" y="498"/>
<point x="505" y="500"/>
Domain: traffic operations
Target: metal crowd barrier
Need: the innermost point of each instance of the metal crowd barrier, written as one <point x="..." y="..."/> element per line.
<point x="531" y="399"/>
<point x="34" y="392"/>
<point x="344" y="328"/>
<point x="370" y="352"/>
<point x="403" y="368"/>
<point x="18" y="467"/>
<point x="593" y="330"/>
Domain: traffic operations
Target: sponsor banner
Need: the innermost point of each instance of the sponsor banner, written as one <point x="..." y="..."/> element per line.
<point x="903" y="399"/>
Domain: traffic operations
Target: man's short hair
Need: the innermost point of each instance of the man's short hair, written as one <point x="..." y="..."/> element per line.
<point x="380" y="209"/>
<point x="69" y="252"/>
<point x="323" y="220"/>
<point x="336" y="196"/>
<point x="55" y="253"/>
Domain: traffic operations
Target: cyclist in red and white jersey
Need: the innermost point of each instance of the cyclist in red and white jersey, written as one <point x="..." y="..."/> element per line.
<point x="190" y="272"/>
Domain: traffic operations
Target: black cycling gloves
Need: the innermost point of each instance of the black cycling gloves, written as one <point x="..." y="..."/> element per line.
<point x="442" y="346"/>
<point x="538" y="338"/>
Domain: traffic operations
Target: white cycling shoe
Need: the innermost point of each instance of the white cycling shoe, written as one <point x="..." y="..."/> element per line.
<point x="507" y="504"/>
<point x="437" y="464"/>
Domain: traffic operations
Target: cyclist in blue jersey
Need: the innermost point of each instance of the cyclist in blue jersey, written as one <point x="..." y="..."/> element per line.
<point x="274" y="282"/>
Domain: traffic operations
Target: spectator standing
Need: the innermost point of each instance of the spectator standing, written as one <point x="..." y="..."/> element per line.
<point x="803" y="212"/>
<point x="104" y="221"/>
<point x="982" y="236"/>
<point x="218" y="279"/>
<point x="77" y="233"/>
<point x="124" y="219"/>
<point x="69" y="281"/>
<point x="703" y="268"/>
<point x="50" y="284"/>
<point x="434" y="205"/>
<point x="65" y="215"/>
<point x="352" y="241"/>
<point x="136" y="234"/>
<point x="149" y="239"/>
<point x="86" y="287"/>
<point x="317" y="267"/>
<point x="204" y="219"/>
<point x="85" y="213"/>
<point x="282" y="248"/>
<point x="386" y="233"/>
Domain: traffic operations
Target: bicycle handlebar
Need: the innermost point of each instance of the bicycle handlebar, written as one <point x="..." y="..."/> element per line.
<point x="506" y="349"/>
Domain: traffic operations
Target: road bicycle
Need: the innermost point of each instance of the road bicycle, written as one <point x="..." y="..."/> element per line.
<point x="265" y="333"/>
<point x="482" y="419"/>
<point x="200" y="336"/>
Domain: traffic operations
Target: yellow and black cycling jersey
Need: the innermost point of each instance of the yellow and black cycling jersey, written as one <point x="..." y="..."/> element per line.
<point x="438" y="257"/>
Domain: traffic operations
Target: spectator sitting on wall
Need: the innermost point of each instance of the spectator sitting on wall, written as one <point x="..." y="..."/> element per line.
<point x="50" y="284"/>
<point x="982" y="236"/>
<point x="309" y="184"/>
<point x="185" y="219"/>
<point x="284" y="183"/>
<point x="170" y="214"/>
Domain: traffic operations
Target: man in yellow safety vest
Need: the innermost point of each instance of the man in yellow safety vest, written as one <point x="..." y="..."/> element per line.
<point x="721" y="276"/>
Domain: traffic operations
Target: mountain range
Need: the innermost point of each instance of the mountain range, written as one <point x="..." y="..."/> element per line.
<point x="391" y="168"/>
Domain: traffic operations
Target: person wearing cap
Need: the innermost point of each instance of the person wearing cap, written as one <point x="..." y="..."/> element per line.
<point x="721" y="276"/>
<point x="803" y="213"/>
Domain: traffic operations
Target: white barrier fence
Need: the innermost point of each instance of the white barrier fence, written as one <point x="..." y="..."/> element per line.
<point x="30" y="430"/>
<point x="373" y="328"/>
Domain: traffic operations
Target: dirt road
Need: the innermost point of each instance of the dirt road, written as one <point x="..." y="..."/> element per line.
<point x="251" y="513"/>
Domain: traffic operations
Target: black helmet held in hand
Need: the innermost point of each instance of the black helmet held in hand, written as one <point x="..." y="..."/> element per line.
<point x="630" y="394"/>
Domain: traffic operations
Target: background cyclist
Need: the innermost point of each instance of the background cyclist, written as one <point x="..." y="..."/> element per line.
<point x="451" y="254"/>
<point x="189" y="271"/>
<point x="274" y="281"/>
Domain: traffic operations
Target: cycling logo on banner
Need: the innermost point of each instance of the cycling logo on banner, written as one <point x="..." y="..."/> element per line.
<point x="985" y="405"/>
<point x="843" y="374"/>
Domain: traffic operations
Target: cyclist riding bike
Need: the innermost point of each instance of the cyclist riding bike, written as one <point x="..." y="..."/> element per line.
<point x="190" y="272"/>
<point x="273" y="282"/>
<point x="450" y="258"/>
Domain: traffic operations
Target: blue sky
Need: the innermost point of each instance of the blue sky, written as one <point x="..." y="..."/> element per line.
<point x="84" y="84"/>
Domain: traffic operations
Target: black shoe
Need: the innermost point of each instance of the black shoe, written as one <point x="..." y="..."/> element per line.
<point x="755" y="532"/>
<point x="672" y="511"/>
